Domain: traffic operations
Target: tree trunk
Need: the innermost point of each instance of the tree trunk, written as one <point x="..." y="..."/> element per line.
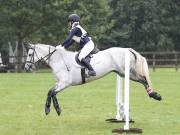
<point x="19" y="64"/>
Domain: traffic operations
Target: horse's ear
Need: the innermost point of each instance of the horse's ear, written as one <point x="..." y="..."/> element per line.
<point x="28" y="45"/>
<point x="31" y="45"/>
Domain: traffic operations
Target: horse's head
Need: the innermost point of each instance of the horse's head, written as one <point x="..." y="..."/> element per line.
<point x="36" y="53"/>
<point x="32" y="58"/>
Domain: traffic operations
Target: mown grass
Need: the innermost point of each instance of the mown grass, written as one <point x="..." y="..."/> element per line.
<point x="85" y="107"/>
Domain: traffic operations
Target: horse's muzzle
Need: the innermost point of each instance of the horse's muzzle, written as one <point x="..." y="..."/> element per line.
<point x="28" y="67"/>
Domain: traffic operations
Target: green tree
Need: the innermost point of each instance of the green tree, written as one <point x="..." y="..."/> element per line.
<point x="19" y="19"/>
<point x="93" y="15"/>
<point x="173" y="23"/>
<point x="45" y="21"/>
<point x="144" y="25"/>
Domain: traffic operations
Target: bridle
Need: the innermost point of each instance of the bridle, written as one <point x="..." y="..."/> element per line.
<point x="46" y="57"/>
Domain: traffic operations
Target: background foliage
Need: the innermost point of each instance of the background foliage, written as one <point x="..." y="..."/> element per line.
<point x="152" y="25"/>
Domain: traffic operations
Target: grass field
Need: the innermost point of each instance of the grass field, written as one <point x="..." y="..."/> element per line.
<point x="85" y="108"/>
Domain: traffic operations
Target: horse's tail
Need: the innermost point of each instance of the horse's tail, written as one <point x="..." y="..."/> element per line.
<point x="141" y="65"/>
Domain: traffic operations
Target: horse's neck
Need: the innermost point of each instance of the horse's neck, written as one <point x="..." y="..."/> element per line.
<point x="61" y="59"/>
<point x="45" y="52"/>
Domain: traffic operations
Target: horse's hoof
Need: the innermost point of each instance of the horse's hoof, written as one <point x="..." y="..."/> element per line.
<point x="159" y="97"/>
<point x="58" y="110"/>
<point x="47" y="110"/>
<point x="155" y="95"/>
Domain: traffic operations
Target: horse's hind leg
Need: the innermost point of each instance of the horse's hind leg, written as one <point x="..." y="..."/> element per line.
<point x="142" y="76"/>
<point x="142" y="79"/>
<point x="139" y="78"/>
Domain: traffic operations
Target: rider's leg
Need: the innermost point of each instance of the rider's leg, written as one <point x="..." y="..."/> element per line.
<point x="88" y="65"/>
<point x="86" y="50"/>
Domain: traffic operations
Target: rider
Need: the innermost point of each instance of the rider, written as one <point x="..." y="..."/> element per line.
<point x="80" y="36"/>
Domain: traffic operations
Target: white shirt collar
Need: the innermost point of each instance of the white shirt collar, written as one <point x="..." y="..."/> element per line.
<point x="74" y="24"/>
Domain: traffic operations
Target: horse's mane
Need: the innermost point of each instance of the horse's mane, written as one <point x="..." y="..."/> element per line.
<point x="58" y="47"/>
<point x="45" y="46"/>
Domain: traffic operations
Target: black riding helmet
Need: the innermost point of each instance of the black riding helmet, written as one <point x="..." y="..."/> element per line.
<point x="73" y="18"/>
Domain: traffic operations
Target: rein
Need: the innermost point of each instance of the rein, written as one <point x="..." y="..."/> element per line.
<point x="46" y="57"/>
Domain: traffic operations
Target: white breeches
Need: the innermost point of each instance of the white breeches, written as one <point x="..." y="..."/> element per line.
<point x="88" y="47"/>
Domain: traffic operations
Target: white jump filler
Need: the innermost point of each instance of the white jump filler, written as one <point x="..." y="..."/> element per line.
<point x="125" y="115"/>
<point x="119" y="100"/>
<point x="120" y="114"/>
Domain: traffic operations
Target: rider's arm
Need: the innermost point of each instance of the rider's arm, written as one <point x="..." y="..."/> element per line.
<point x="68" y="42"/>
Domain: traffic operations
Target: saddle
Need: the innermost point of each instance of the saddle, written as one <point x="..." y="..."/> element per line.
<point x="88" y="58"/>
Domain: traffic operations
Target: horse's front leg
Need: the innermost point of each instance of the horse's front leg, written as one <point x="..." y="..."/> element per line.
<point x="48" y="100"/>
<point x="56" y="104"/>
<point x="52" y="95"/>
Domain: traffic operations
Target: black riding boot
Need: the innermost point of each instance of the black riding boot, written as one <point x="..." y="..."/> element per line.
<point x="88" y="65"/>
